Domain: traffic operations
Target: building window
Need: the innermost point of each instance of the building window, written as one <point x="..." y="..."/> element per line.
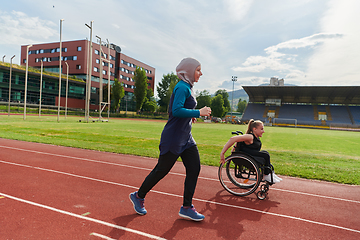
<point x="96" y="52"/>
<point x="79" y="49"/>
<point x="78" y="66"/>
<point x="97" y="61"/>
<point x="57" y="49"/>
<point x="24" y="61"/>
<point x="104" y="72"/>
<point x="111" y="65"/>
<point x="96" y="69"/>
<point x="41" y="50"/>
<point x="65" y="49"/>
<point x="74" y="58"/>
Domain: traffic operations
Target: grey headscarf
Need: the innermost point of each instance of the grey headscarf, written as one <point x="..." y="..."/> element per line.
<point x="186" y="70"/>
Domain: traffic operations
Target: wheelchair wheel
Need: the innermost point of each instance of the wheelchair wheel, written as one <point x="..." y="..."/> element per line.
<point x="239" y="175"/>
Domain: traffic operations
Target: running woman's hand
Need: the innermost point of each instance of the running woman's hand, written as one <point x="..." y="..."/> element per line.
<point x="205" y="111"/>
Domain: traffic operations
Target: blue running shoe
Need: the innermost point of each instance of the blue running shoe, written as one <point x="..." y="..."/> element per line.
<point x="191" y="213"/>
<point x="138" y="203"/>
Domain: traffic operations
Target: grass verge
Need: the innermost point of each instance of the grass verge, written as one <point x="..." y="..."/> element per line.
<point x="308" y="153"/>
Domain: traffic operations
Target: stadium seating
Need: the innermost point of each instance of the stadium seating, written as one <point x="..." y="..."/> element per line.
<point x="254" y="111"/>
<point x="355" y="112"/>
<point x="340" y="115"/>
<point x="306" y="114"/>
<point x="299" y="112"/>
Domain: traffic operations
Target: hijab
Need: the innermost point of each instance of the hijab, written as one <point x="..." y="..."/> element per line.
<point x="186" y="70"/>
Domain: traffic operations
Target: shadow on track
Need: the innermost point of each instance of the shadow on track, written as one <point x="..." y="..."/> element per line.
<point x="226" y="221"/>
<point x="121" y="221"/>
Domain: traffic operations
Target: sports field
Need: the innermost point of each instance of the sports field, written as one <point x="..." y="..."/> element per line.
<point x="307" y="153"/>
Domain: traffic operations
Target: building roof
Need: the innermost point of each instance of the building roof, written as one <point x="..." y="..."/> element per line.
<point x="302" y="94"/>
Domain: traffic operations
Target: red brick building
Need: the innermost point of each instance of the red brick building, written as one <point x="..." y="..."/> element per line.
<point x="76" y="54"/>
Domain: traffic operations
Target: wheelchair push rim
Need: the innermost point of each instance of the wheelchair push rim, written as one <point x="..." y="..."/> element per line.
<point x="239" y="175"/>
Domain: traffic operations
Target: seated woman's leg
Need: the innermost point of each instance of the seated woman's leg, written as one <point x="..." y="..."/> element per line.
<point x="263" y="157"/>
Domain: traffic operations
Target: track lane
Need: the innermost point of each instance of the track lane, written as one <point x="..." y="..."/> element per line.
<point x="242" y="223"/>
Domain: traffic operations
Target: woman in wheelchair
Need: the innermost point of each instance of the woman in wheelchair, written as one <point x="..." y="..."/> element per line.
<point x="250" y="143"/>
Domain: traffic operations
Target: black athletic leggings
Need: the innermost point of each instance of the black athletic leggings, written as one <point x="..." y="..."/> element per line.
<point x="191" y="160"/>
<point x="263" y="157"/>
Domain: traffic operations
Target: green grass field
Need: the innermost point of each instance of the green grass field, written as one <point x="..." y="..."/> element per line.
<point x="308" y="153"/>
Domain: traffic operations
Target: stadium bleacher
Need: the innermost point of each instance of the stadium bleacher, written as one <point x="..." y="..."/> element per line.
<point x="304" y="114"/>
<point x="355" y="112"/>
<point x="340" y="115"/>
<point x="333" y="107"/>
<point x="299" y="112"/>
<point x="254" y="111"/>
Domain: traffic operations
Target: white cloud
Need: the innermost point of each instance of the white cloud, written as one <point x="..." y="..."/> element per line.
<point x="277" y="59"/>
<point x="17" y="28"/>
<point x="302" y="42"/>
<point x="238" y="9"/>
<point x="337" y="62"/>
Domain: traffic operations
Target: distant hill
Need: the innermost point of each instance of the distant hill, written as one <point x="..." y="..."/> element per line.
<point x="243" y="95"/>
<point x="237" y="94"/>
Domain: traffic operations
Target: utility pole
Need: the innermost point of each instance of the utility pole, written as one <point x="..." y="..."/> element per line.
<point x="88" y="82"/>
<point x="233" y="79"/>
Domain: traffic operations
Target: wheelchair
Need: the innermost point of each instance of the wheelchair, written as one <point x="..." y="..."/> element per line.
<point x="241" y="174"/>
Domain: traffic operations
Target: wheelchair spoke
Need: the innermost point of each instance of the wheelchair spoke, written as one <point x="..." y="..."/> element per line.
<point x="239" y="175"/>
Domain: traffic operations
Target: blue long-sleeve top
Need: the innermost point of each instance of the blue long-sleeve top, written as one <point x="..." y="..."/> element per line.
<point x="176" y="136"/>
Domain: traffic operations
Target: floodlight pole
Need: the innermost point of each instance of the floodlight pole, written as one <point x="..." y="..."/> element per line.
<point x="4" y="58"/>
<point x="233" y="79"/>
<point x="10" y="84"/>
<point x="100" y="80"/>
<point x="67" y="87"/>
<point x="41" y="75"/>
<point x="58" y="115"/>
<point x="26" y="77"/>
<point x="88" y="84"/>
<point x="87" y="78"/>
<point x="109" y="69"/>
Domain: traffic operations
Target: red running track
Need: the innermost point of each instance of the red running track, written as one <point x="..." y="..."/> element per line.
<point x="52" y="192"/>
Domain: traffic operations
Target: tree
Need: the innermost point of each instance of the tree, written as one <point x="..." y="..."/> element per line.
<point x="117" y="93"/>
<point x="140" y="87"/>
<point x="241" y="106"/>
<point x="149" y="106"/>
<point x="225" y="96"/>
<point x="149" y="103"/>
<point x="203" y="99"/>
<point x="164" y="90"/>
<point x="217" y="106"/>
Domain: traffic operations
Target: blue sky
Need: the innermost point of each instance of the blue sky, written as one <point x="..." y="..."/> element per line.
<point x="306" y="42"/>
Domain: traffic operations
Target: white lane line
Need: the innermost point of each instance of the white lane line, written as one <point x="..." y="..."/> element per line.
<point x="197" y="199"/>
<point x="316" y="195"/>
<point x="173" y="173"/>
<point x="83" y="217"/>
<point x="102" y="236"/>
